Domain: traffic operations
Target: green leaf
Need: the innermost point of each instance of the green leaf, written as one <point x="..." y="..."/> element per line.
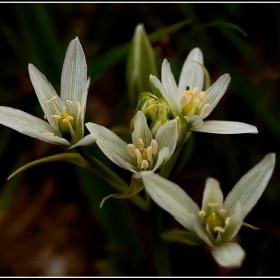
<point x="140" y="64"/>
<point x="182" y="236"/>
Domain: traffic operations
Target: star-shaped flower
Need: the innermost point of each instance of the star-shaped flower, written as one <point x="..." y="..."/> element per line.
<point x="191" y="99"/>
<point x="65" y="114"/>
<point x="218" y="221"/>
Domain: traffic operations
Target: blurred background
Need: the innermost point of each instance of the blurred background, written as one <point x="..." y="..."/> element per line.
<point x="50" y="220"/>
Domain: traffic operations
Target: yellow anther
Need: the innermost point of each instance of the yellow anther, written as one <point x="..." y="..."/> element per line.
<point x="227" y="220"/>
<point x="51" y="100"/>
<point x="49" y="133"/>
<point x="213" y="204"/>
<point x="222" y="211"/>
<point x="183" y="100"/>
<point x="189" y="92"/>
<point x="69" y="118"/>
<point x="154" y="146"/>
<point x="138" y="156"/>
<point x="201" y="96"/>
<point x="204" y="109"/>
<point x="69" y="102"/>
<point x="220" y="229"/>
<point x="131" y="149"/>
<point x="56" y="117"/>
<point x="144" y="164"/>
<point x="45" y="117"/>
<point x="141" y="144"/>
<point x="202" y="213"/>
<point x="149" y="153"/>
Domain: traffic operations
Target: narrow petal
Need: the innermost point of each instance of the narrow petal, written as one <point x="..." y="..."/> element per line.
<point x="192" y="75"/>
<point x="45" y="92"/>
<point x="171" y="198"/>
<point x="74" y="74"/>
<point x="228" y="254"/>
<point x="250" y="187"/>
<point x="30" y="125"/>
<point x="225" y="127"/>
<point x="215" y="92"/>
<point x="141" y="130"/>
<point x="162" y="157"/>
<point x="166" y="136"/>
<point x="169" y="83"/>
<point x="111" y="145"/>
<point x="159" y="91"/>
<point x="212" y="193"/>
<point x="86" y="141"/>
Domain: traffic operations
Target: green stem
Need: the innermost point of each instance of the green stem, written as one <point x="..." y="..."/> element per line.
<point x="111" y="177"/>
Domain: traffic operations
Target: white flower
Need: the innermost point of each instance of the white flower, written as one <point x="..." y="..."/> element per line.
<point x="145" y="152"/>
<point x="218" y="221"/>
<point x="65" y="114"/>
<point x="190" y="99"/>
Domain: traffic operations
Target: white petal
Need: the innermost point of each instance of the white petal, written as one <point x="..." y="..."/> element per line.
<point x="212" y="193"/>
<point x="169" y="83"/>
<point x="74" y="74"/>
<point x="215" y="92"/>
<point x="141" y="130"/>
<point x="192" y="74"/>
<point x="162" y="157"/>
<point x="111" y="145"/>
<point x="159" y="91"/>
<point x="30" y="125"/>
<point x="235" y="223"/>
<point x="199" y="230"/>
<point x="166" y="136"/>
<point x="86" y="141"/>
<point x="45" y="92"/>
<point x="171" y="198"/>
<point x="194" y="122"/>
<point x="225" y="127"/>
<point x="228" y="254"/>
<point x="250" y="187"/>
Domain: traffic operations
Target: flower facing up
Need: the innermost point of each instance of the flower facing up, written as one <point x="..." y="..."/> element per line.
<point x="192" y="100"/>
<point x="145" y="152"/>
<point x="65" y="114"/>
<point x="218" y="221"/>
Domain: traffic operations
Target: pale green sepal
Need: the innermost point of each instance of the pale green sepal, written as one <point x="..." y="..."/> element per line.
<point x="136" y="186"/>
<point x="250" y="187"/>
<point x="170" y="197"/>
<point x="195" y="221"/>
<point x="182" y="236"/>
<point x="225" y="127"/>
<point x="86" y="141"/>
<point x="29" y="125"/>
<point x="140" y="63"/>
<point x="228" y="254"/>
<point x="212" y="193"/>
<point x="141" y="130"/>
<point x="215" y="92"/>
<point x="74" y="74"/>
<point x="45" y="91"/>
<point x="111" y="144"/>
<point x="192" y="74"/>
<point x="158" y="89"/>
<point x="235" y="223"/>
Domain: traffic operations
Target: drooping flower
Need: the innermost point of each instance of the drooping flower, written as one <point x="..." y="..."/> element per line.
<point x="218" y="221"/>
<point x="65" y="114"/>
<point x="191" y="99"/>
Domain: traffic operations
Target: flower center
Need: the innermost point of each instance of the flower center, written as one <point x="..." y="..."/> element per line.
<point x="144" y="157"/>
<point x="214" y="221"/>
<point x="190" y="101"/>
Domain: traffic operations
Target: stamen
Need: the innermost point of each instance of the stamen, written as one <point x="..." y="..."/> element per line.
<point x="202" y="213"/>
<point x="144" y="164"/>
<point x="69" y="102"/>
<point x="138" y="156"/>
<point x="201" y="96"/>
<point x="45" y="117"/>
<point x="149" y="153"/>
<point x="141" y="144"/>
<point x="69" y="118"/>
<point x="154" y="146"/>
<point x="49" y="133"/>
<point x="222" y="211"/>
<point x="213" y="204"/>
<point x="51" y="100"/>
<point x="227" y="221"/>
<point x="220" y="229"/>
<point x="204" y="109"/>
<point x="131" y="149"/>
<point x="56" y="117"/>
<point x="183" y="100"/>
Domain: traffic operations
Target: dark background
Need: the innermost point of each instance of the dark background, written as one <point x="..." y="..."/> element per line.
<point x="50" y="223"/>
